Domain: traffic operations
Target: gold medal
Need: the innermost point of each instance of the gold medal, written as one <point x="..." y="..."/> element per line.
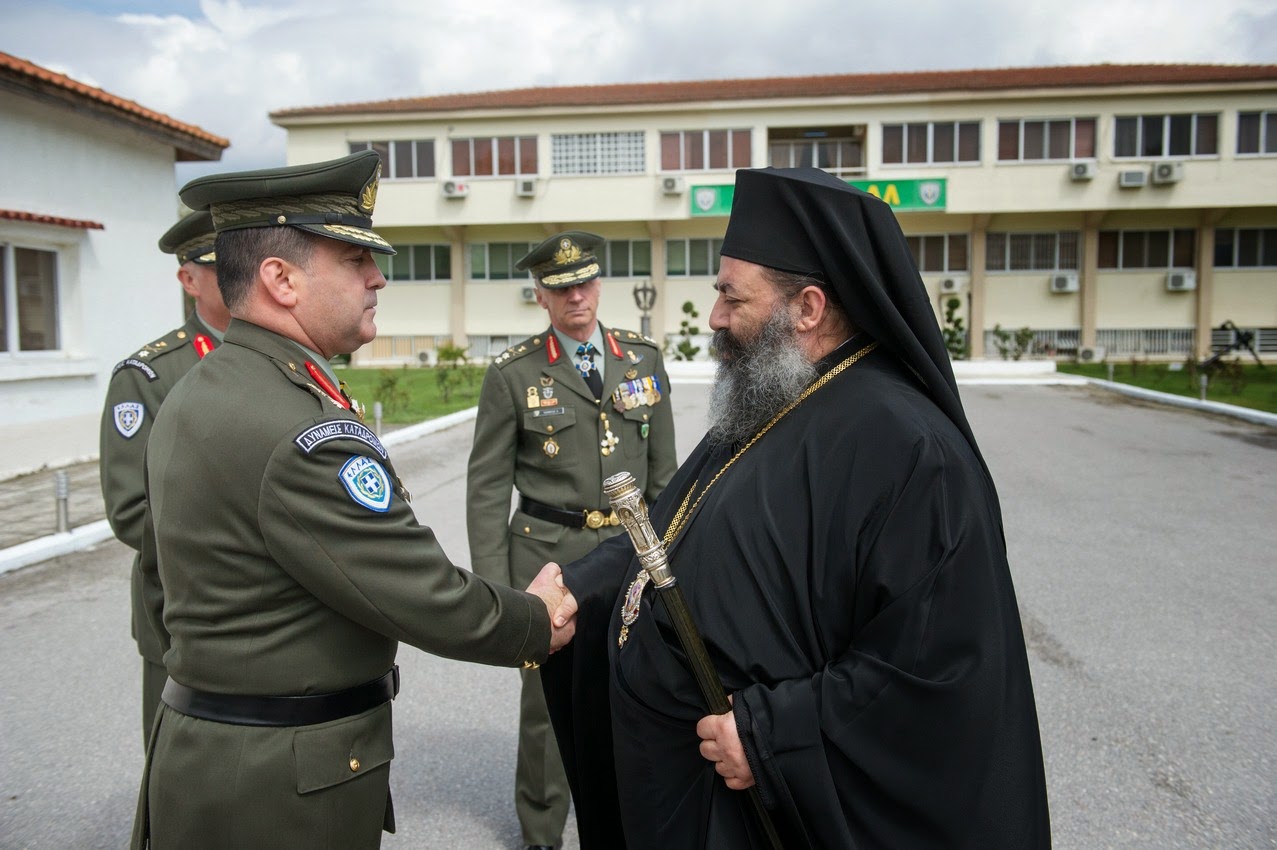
<point x="533" y="401"/>
<point x="551" y="447"/>
<point x="631" y="374"/>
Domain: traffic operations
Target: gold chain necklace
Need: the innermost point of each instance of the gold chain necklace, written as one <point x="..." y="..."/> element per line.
<point x="633" y="596"/>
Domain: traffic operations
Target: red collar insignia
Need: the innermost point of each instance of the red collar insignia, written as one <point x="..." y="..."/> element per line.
<point x="203" y="345"/>
<point x="613" y="345"/>
<point x="322" y="380"/>
<point x="552" y="349"/>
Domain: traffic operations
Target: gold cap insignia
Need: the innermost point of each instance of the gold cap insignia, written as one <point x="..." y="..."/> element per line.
<point x="368" y="197"/>
<point x="569" y="252"/>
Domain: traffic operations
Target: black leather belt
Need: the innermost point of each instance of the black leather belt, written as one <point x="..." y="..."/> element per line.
<point x="245" y="710"/>
<point x="580" y="518"/>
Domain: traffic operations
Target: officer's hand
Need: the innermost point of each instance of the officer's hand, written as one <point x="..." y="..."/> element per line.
<point x="720" y="744"/>
<point x="559" y="603"/>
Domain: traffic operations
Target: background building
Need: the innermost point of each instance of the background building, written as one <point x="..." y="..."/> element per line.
<point x="87" y="188"/>
<point x="1126" y="208"/>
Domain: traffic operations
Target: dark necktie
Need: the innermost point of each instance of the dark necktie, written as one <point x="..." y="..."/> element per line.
<point x="588" y="370"/>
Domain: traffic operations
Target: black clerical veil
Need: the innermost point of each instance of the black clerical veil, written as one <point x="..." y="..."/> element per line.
<point x="806" y="221"/>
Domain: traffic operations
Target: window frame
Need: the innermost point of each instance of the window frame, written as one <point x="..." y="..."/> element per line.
<point x="1007" y="237"/>
<point x="494" y="156"/>
<point x="1266" y="245"/>
<point x="391" y="159"/>
<point x="609" y="250"/>
<point x="1124" y="236"/>
<point x="512" y="256"/>
<point x="1266" y="143"/>
<point x="1142" y="120"/>
<point x="712" y="245"/>
<point x="908" y="132"/>
<point x="10" y="302"/>
<point x="635" y="138"/>
<point x="1072" y="155"/>
<point x="920" y="255"/>
<point x="407" y="253"/>
<point x="706" y="153"/>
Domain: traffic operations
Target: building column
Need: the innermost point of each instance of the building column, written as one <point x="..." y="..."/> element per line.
<point x="1205" y="294"/>
<point x="1089" y="281"/>
<point x="656" y="231"/>
<point x="457" y="288"/>
<point x="979" y="264"/>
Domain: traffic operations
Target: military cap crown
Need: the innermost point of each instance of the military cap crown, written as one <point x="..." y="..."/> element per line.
<point x="333" y="198"/>
<point x="191" y="239"/>
<point x="565" y="259"/>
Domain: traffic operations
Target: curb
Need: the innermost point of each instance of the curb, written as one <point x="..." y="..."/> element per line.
<point x="1255" y="417"/>
<point x="54" y="545"/>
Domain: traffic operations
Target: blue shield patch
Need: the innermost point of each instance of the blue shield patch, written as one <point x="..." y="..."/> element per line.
<point x="367" y="483"/>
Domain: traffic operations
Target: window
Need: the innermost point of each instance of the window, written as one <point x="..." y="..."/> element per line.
<point x="1257" y="132"/>
<point x="940" y="252"/>
<point x="597" y="153"/>
<point x="835" y="155"/>
<point x="1245" y="247"/>
<point x="934" y="142"/>
<point x="489" y="157"/>
<point x="402" y="160"/>
<point x="1147" y="249"/>
<point x="1058" y="138"/>
<point x="28" y="299"/>
<point x="495" y="260"/>
<point x="699" y="150"/>
<point x="1153" y="136"/>
<point x="1031" y="251"/>
<point x="686" y="257"/>
<point x="624" y="258"/>
<point x="416" y="262"/>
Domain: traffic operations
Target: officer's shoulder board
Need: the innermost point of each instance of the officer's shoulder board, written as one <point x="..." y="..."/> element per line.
<point x="625" y="337"/>
<point x="172" y="341"/>
<point x="520" y="349"/>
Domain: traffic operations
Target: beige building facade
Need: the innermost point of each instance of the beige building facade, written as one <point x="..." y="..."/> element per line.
<point x="1119" y="211"/>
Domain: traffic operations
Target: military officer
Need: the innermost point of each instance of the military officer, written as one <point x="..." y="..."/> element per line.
<point x="559" y="413"/>
<point x="290" y="560"/>
<point x="137" y="389"/>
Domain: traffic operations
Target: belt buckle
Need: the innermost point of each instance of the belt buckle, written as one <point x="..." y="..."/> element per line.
<point x="595" y="519"/>
<point x="613" y="519"/>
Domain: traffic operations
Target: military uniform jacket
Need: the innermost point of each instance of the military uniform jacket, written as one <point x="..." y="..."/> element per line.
<point x="139" y="385"/>
<point x="540" y="431"/>
<point x="292" y="564"/>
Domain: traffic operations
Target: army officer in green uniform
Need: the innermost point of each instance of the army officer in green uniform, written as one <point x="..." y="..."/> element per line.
<point x="138" y="387"/>
<point x="559" y="413"/>
<point x="290" y="560"/>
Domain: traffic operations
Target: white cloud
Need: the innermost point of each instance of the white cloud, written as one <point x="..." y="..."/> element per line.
<point x="226" y="68"/>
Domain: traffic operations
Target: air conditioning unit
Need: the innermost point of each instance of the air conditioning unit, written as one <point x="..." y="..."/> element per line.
<point x="526" y="187"/>
<point x="1084" y="170"/>
<point x="673" y="185"/>
<point x="1168" y="172"/>
<point x="1066" y="282"/>
<point x="1181" y="281"/>
<point x="952" y="285"/>
<point x="1090" y="354"/>
<point x="455" y="189"/>
<point x="529" y="294"/>
<point x="1132" y="179"/>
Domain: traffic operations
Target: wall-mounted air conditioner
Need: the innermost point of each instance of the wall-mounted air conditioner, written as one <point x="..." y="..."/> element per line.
<point x="1064" y="282"/>
<point x="528" y="294"/>
<point x="454" y="189"/>
<point x="1165" y="173"/>
<point x="1132" y="179"/>
<point x="1083" y="170"/>
<point x="673" y="185"/>
<point x="1090" y="354"/>
<point x="952" y="285"/>
<point x="526" y="187"/>
<point x="1183" y="281"/>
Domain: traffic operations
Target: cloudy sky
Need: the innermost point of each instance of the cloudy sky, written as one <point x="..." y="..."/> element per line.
<point x="224" y="64"/>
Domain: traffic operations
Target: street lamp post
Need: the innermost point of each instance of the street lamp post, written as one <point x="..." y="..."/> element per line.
<point x="645" y="299"/>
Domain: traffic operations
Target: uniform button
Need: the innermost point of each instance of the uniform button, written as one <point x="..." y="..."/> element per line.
<point x="644" y="417"/>
<point x="549" y="428"/>
<point x="292" y="366"/>
<point x="181" y="334"/>
<point x="354" y="764"/>
<point x="527" y="530"/>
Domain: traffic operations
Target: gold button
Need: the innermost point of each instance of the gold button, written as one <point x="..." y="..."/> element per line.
<point x="549" y="429"/>
<point x="181" y="334"/>
<point x="527" y="530"/>
<point x="354" y="764"/>
<point x="536" y="340"/>
<point x="282" y="219"/>
<point x="644" y="417"/>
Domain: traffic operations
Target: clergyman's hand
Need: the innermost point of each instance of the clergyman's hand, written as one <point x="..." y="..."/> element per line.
<point x="720" y="744"/>
<point x="559" y="603"/>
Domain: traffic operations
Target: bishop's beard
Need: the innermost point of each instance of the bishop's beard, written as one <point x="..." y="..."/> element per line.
<point x="756" y="379"/>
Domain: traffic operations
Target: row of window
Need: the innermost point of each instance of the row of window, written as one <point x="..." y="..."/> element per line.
<point x="1235" y="247"/>
<point x="921" y="143"/>
<point x="28" y="299"/>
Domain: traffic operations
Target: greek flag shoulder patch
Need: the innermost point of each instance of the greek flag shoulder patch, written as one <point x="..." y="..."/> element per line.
<point x="367" y="483"/>
<point x="128" y="417"/>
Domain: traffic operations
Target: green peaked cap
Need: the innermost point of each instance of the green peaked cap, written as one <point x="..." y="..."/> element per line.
<point x="564" y="259"/>
<point x="333" y="199"/>
<point x="191" y="239"/>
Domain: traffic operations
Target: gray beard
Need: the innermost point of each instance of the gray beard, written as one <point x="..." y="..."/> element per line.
<point x="756" y="379"/>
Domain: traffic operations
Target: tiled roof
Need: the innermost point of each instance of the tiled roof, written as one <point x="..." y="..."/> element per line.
<point x="37" y="218"/>
<point x="839" y="85"/>
<point x="194" y="142"/>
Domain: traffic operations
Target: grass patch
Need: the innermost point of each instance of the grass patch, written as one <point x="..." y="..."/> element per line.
<point x="1242" y="384"/>
<point x="411" y="394"/>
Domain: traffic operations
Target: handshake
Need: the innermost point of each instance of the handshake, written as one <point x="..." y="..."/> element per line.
<point x="559" y="602"/>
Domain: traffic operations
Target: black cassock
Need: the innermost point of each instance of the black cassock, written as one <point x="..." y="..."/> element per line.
<point x="849" y="576"/>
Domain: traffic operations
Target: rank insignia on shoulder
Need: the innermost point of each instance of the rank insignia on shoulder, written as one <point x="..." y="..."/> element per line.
<point x="128" y="417"/>
<point x="367" y="483"/>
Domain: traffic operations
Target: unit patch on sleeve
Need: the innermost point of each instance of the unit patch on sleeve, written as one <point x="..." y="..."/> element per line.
<point x="367" y="483"/>
<point x="128" y="417"/>
<point x="134" y="363"/>
<point x="339" y="429"/>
